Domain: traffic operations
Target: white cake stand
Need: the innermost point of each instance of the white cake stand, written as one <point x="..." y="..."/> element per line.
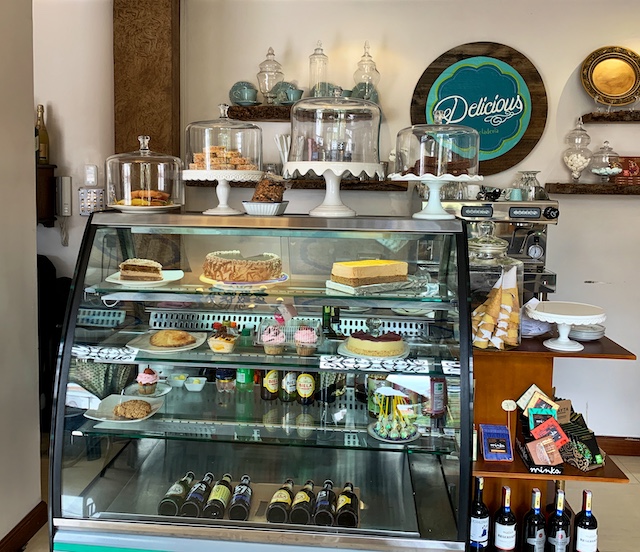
<point x="332" y="205"/>
<point x="223" y="188"/>
<point x="433" y="210"/>
<point x="565" y="314"/>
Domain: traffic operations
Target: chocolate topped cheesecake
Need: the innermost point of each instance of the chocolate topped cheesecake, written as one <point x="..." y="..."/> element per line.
<point x="384" y="345"/>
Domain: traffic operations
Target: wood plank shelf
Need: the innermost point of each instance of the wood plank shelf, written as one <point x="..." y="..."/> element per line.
<point x="317" y="184"/>
<point x="261" y="113"/>
<point x="591" y="189"/>
<point x="621" y="116"/>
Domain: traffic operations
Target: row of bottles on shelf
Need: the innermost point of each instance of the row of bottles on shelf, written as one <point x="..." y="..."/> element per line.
<point x="537" y="533"/>
<point x="212" y="499"/>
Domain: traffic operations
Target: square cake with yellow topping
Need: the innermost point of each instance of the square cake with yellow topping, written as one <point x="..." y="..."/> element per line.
<point x="369" y="271"/>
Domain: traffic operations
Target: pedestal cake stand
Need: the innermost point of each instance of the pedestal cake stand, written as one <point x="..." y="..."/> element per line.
<point x="565" y="314"/>
<point x="433" y="210"/>
<point x="223" y="188"/>
<point x="332" y="173"/>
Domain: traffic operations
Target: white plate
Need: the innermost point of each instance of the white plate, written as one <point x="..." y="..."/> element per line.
<point x="161" y="389"/>
<point x="342" y="350"/>
<point x="167" y="277"/>
<point x="356" y="309"/>
<point x="143" y="343"/>
<point x="243" y="286"/>
<point x="146" y="208"/>
<point x="415" y="312"/>
<point x="391" y="441"/>
<point x="104" y="412"/>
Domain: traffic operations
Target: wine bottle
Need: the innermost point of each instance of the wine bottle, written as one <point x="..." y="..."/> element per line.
<point x="43" y="137"/>
<point x="37" y="144"/>
<point x="269" y="389"/>
<point x="288" y="386"/>
<point x="303" y="504"/>
<point x="327" y="329"/>
<point x="175" y="496"/>
<point x="280" y="504"/>
<point x="533" y="531"/>
<point x="194" y="503"/>
<point x="504" y="524"/>
<point x="240" y="504"/>
<point x="585" y="536"/>
<point x="558" y="528"/>
<point x="218" y="498"/>
<point x="325" y="511"/>
<point x="479" y="533"/>
<point x="551" y="507"/>
<point x="347" y="507"/>
<point x="305" y="388"/>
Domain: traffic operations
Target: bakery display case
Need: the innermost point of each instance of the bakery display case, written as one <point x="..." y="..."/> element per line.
<point x="289" y="381"/>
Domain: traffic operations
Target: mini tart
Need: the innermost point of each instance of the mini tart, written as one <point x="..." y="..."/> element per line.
<point x="171" y="338"/>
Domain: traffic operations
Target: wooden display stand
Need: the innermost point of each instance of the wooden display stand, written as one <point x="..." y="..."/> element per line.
<point x="500" y="375"/>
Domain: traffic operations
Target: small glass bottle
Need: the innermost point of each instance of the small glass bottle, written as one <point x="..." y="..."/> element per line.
<point x="318" y="64"/>
<point x="366" y="77"/>
<point x="496" y="283"/>
<point x="577" y="156"/>
<point x="605" y="163"/>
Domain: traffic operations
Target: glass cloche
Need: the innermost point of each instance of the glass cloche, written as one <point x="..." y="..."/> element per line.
<point x="605" y="163"/>
<point x="143" y="178"/>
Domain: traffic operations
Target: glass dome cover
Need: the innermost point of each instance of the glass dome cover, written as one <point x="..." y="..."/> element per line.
<point x="143" y="178"/>
<point x="223" y="144"/>
<point x="606" y="162"/>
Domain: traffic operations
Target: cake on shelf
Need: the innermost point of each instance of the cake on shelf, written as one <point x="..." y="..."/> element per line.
<point x="219" y="158"/>
<point x="232" y="266"/>
<point x="144" y="270"/>
<point x="384" y="345"/>
<point x="370" y="271"/>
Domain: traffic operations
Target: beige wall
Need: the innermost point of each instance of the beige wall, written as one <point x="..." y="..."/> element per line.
<point x="19" y="419"/>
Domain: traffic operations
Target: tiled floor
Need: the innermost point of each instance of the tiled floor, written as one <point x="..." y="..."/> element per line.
<point x="616" y="506"/>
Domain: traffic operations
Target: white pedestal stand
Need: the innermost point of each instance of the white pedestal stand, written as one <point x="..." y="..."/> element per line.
<point x="223" y="188"/>
<point x="565" y="314"/>
<point x="332" y="206"/>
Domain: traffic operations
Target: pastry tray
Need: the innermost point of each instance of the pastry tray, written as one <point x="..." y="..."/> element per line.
<point x="290" y="329"/>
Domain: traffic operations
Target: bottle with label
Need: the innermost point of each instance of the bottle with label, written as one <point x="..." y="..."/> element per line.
<point x="551" y="507"/>
<point x="175" y="496"/>
<point x="305" y="388"/>
<point x="347" y="507"/>
<point x="280" y="504"/>
<point x="195" y="501"/>
<point x="585" y="536"/>
<point x="479" y="534"/>
<point x="218" y="498"/>
<point x="533" y="531"/>
<point x="37" y="144"/>
<point x="288" y="386"/>
<point x="504" y="524"/>
<point x="270" y="384"/>
<point x="325" y="512"/>
<point x="244" y="379"/>
<point x="240" y="504"/>
<point x="558" y="528"/>
<point x="43" y="137"/>
<point x="303" y="504"/>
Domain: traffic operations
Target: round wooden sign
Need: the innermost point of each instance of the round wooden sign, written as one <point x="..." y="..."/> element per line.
<point x="489" y="87"/>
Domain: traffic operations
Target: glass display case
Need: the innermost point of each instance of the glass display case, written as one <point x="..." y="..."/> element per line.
<point x="216" y="364"/>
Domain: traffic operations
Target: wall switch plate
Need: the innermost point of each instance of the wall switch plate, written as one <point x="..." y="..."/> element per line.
<point x="90" y="200"/>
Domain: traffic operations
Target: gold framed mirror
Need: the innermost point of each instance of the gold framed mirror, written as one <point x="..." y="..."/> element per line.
<point x="611" y="75"/>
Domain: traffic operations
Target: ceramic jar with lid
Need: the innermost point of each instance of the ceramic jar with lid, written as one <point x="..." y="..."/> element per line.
<point x="223" y="144"/>
<point x="605" y="163"/>
<point x="577" y="156"/>
<point x="143" y="178"/>
<point x="496" y="284"/>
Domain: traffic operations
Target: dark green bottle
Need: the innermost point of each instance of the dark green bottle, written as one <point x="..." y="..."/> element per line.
<point x="240" y="504"/>
<point x="195" y="501"/>
<point x="175" y="496"/>
<point x="325" y="511"/>
<point x="347" y="507"/>
<point x="280" y="505"/>
<point x="303" y="504"/>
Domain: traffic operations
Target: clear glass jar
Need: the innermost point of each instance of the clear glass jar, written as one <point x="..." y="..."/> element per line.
<point x="338" y="130"/>
<point x="437" y="150"/>
<point x="577" y="156"/>
<point x="496" y="284"/>
<point x="318" y="64"/>
<point x="223" y="144"/>
<point x="270" y="74"/>
<point x="144" y="178"/>
<point x="531" y="188"/>
<point x="366" y="77"/>
<point x="606" y="163"/>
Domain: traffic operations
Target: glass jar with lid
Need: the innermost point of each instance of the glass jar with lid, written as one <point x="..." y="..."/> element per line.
<point x="496" y="284"/>
<point x="577" y="156"/>
<point x="143" y="178"/>
<point x="606" y="163"/>
<point x="223" y="144"/>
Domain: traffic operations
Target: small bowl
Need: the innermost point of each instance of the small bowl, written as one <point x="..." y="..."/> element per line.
<point x="177" y="380"/>
<point x="195" y="383"/>
<point x="265" y="209"/>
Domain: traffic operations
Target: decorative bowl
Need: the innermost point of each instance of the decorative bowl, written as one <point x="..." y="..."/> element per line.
<point x="195" y="383"/>
<point x="177" y="380"/>
<point x="265" y="209"/>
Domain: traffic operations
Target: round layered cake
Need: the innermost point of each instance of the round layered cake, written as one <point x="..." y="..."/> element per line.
<point x="231" y="266"/>
<point x="383" y="345"/>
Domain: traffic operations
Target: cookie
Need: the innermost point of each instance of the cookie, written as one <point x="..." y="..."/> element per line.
<point x="132" y="410"/>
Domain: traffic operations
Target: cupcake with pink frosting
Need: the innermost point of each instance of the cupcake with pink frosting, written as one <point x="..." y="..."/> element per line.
<point x="273" y="339"/>
<point x="306" y="340"/>
<point x="147" y="382"/>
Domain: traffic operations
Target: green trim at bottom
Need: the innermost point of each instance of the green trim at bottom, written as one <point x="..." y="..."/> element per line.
<point x="68" y="547"/>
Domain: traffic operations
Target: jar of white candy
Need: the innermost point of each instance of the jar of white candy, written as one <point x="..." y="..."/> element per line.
<point x="606" y="163"/>
<point x="577" y="156"/>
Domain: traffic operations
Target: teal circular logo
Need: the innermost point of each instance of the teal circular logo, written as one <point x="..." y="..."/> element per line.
<point x="486" y="94"/>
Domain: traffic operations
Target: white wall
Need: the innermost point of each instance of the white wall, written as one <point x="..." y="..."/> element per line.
<point x="19" y="412"/>
<point x="223" y="42"/>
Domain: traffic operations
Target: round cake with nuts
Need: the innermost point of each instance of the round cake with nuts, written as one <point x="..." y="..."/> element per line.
<point x="231" y="266"/>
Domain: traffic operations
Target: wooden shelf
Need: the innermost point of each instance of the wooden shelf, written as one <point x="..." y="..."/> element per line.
<point x="621" y="116"/>
<point x="317" y="184"/>
<point x="609" y="473"/>
<point x="591" y="189"/>
<point x="261" y="113"/>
